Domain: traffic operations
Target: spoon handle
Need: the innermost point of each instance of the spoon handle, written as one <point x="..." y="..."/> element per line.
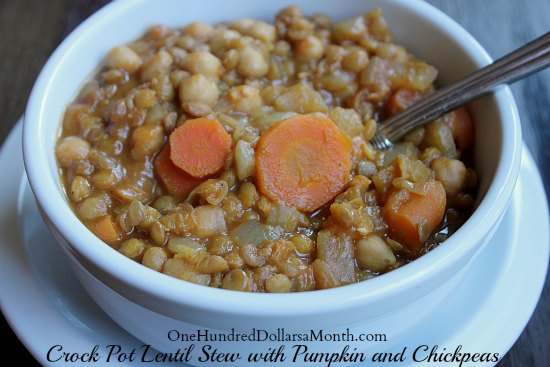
<point x="528" y="59"/>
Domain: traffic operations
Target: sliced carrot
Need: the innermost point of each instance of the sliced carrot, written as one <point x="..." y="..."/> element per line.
<point x="410" y="215"/>
<point x="177" y="182"/>
<point x="106" y="229"/>
<point x="462" y="128"/>
<point x="200" y="147"/>
<point x="401" y="99"/>
<point x="303" y="161"/>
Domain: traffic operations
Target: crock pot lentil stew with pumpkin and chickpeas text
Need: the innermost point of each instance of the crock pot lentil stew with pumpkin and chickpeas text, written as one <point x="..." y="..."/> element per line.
<point x="236" y="155"/>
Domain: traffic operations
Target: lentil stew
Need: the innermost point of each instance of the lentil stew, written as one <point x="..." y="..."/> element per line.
<point x="236" y="155"/>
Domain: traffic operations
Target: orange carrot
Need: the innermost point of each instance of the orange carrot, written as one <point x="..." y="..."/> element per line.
<point x="462" y="128"/>
<point x="106" y="229"/>
<point x="200" y="147"/>
<point x="401" y="99"/>
<point x="410" y="216"/>
<point x="303" y="161"/>
<point x="177" y="182"/>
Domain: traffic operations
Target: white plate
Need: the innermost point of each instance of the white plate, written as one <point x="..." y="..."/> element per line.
<point x="46" y="306"/>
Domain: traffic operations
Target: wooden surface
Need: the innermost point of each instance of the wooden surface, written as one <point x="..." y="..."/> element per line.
<point x="30" y="31"/>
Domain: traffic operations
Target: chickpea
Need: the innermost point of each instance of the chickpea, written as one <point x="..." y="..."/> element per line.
<point x="123" y="57"/>
<point x="230" y="59"/>
<point x="178" y="54"/>
<point x="334" y="54"/>
<point x="299" y="29"/>
<point x="322" y="20"/>
<point x="392" y="52"/>
<point x="72" y="150"/>
<point x="282" y="48"/>
<point x="451" y="173"/>
<point x="324" y="35"/>
<point x="178" y="75"/>
<point x="221" y="38"/>
<point x="186" y="42"/>
<point x="309" y="49"/>
<point x="159" y="63"/>
<point x="245" y="98"/>
<point x="198" y="88"/>
<point x="199" y="31"/>
<point x="252" y="63"/>
<point x="355" y="60"/>
<point x="242" y="42"/>
<point x="352" y="29"/>
<point x="263" y="31"/>
<point x="242" y="25"/>
<point x="202" y="63"/>
<point x="158" y="32"/>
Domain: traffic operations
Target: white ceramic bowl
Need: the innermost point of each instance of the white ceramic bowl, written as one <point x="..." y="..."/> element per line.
<point x="150" y="304"/>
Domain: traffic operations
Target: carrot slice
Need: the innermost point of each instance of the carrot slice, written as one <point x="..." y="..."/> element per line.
<point x="410" y="216"/>
<point x="200" y="147"/>
<point x="462" y="128"/>
<point x="106" y="229"/>
<point x="177" y="182"/>
<point x="303" y="161"/>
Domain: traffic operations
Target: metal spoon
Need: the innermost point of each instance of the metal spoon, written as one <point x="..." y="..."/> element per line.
<point x="512" y="67"/>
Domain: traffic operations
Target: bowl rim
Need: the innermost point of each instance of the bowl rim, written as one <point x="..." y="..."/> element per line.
<point x="85" y="244"/>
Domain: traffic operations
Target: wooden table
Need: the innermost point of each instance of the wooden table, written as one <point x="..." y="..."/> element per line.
<point x="31" y="29"/>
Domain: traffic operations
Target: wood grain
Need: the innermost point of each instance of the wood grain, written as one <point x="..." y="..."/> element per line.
<point x="29" y="32"/>
<point x="27" y="40"/>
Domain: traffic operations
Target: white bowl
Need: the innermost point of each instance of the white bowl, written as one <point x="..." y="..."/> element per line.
<point x="150" y="304"/>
